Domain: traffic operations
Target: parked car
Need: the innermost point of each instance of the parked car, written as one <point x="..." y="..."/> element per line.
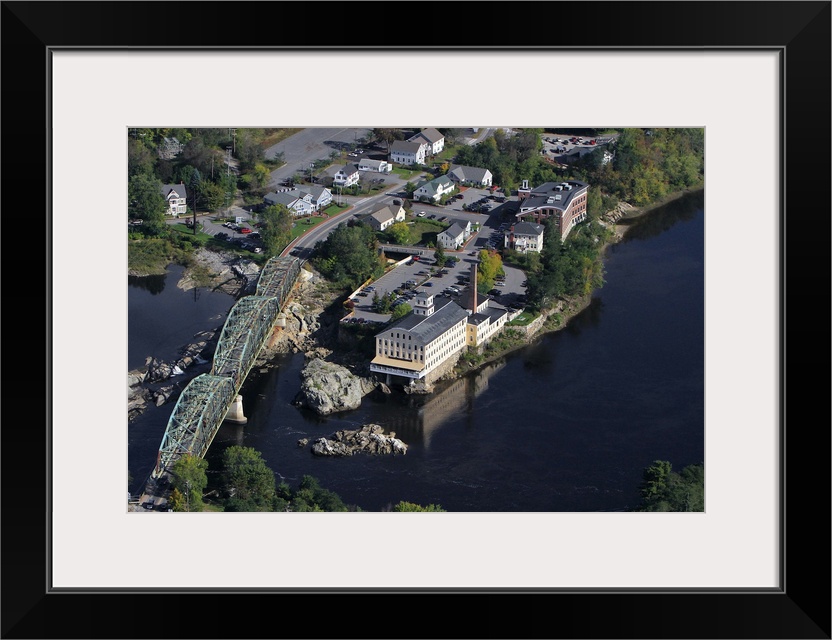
<point x="221" y="236"/>
<point x="245" y="230"/>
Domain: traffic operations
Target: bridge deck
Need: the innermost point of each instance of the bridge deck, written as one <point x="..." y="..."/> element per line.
<point x="204" y="403"/>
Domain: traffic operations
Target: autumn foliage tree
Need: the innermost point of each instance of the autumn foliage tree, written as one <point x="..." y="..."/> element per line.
<point x="489" y="267"/>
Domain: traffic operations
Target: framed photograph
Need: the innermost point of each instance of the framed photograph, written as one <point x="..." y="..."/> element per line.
<point x="754" y="75"/>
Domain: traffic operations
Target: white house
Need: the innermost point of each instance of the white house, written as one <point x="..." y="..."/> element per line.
<point x="524" y="236"/>
<point x="176" y="196"/>
<point x="408" y="153"/>
<point x="434" y="140"/>
<point x="378" y="166"/>
<point x="320" y="197"/>
<point x="453" y="237"/>
<point x="383" y="217"/>
<point x="346" y="176"/>
<point x="434" y="189"/>
<point x="470" y="175"/>
<point x="298" y="202"/>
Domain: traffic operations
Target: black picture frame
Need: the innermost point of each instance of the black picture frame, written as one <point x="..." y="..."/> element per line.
<point x="800" y="31"/>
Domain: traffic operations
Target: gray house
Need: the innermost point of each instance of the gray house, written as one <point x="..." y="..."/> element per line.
<point x="470" y="175"/>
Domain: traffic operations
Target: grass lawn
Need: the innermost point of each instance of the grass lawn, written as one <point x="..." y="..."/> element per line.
<point x="406" y="173"/>
<point x="423" y="232"/>
<point x="523" y="319"/>
<point x="334" y="209"/>
<point x="185" y="230"/>
<point x="305" y="224"/>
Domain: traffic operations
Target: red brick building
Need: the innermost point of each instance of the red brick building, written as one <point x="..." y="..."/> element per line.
<point x="563" y="202"/>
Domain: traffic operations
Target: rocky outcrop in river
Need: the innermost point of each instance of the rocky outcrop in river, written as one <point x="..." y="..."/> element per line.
<point x="329" y="388"/>
<point x="370" y="438"/>
<point x="158" y="370"/>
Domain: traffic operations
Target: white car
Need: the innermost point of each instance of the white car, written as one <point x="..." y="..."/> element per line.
<point x="421" y="214"/>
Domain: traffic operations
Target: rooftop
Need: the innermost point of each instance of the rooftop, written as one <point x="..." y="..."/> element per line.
<point x="446" y="314"/>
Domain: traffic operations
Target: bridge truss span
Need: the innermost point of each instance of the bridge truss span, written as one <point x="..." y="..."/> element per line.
<point x="243" y="335"/>
<point x="196" y="418"/>
<point x="204" y="403"/>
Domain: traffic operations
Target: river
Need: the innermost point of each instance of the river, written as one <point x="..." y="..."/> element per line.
<point x="566" y="424"/>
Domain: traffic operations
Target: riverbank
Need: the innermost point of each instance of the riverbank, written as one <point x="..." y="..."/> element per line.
<point x="313" y="316"/>
<point x="559" y="317"/>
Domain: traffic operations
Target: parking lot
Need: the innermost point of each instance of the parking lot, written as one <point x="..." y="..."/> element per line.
<point x="410" y="279"/>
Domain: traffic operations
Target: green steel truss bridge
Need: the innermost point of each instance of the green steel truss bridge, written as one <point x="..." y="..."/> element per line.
<point x="205" y="402"/>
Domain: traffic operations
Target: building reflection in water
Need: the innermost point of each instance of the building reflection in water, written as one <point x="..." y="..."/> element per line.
<point x="447" y="402"/>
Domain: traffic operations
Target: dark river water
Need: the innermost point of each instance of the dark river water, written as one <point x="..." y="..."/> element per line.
<point x="566" y="424"/>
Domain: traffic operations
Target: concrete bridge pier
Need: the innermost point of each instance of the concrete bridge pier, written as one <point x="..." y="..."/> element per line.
<point x="235" y="413"/>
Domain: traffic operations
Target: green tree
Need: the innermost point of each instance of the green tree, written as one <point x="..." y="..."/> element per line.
<point x="213" y="195"/>
<point x="399" y="233"/>
<point x="248" y="147"/>
<point x="310" y="496"/>
<point x="400" y="311"/>
<point x="277" y="228"/>
<point x="412" y="507"/>
<point x="662" y="489"/>
<point x="387" y="136"/>
<point x="146" y="202"/>
<point x="384" y="303"/>
<point x="200" y="155"/>
<point x="140" y="158"/>
<point x="594" y="202"/>
<point x="349" y="255"/>
<point x="439" y="255"/>
<point x="188" y="475"/>
<point x="247" y="479"/>
<point x="260" y="176"/>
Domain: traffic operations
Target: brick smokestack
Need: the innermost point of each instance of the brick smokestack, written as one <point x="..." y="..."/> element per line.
<point x="472" y="305"/>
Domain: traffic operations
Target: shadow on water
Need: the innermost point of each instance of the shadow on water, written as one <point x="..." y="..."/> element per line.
<point x="663" y="218"/>
<point x="154" y="284"/>
<point x="586" y="319"/>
